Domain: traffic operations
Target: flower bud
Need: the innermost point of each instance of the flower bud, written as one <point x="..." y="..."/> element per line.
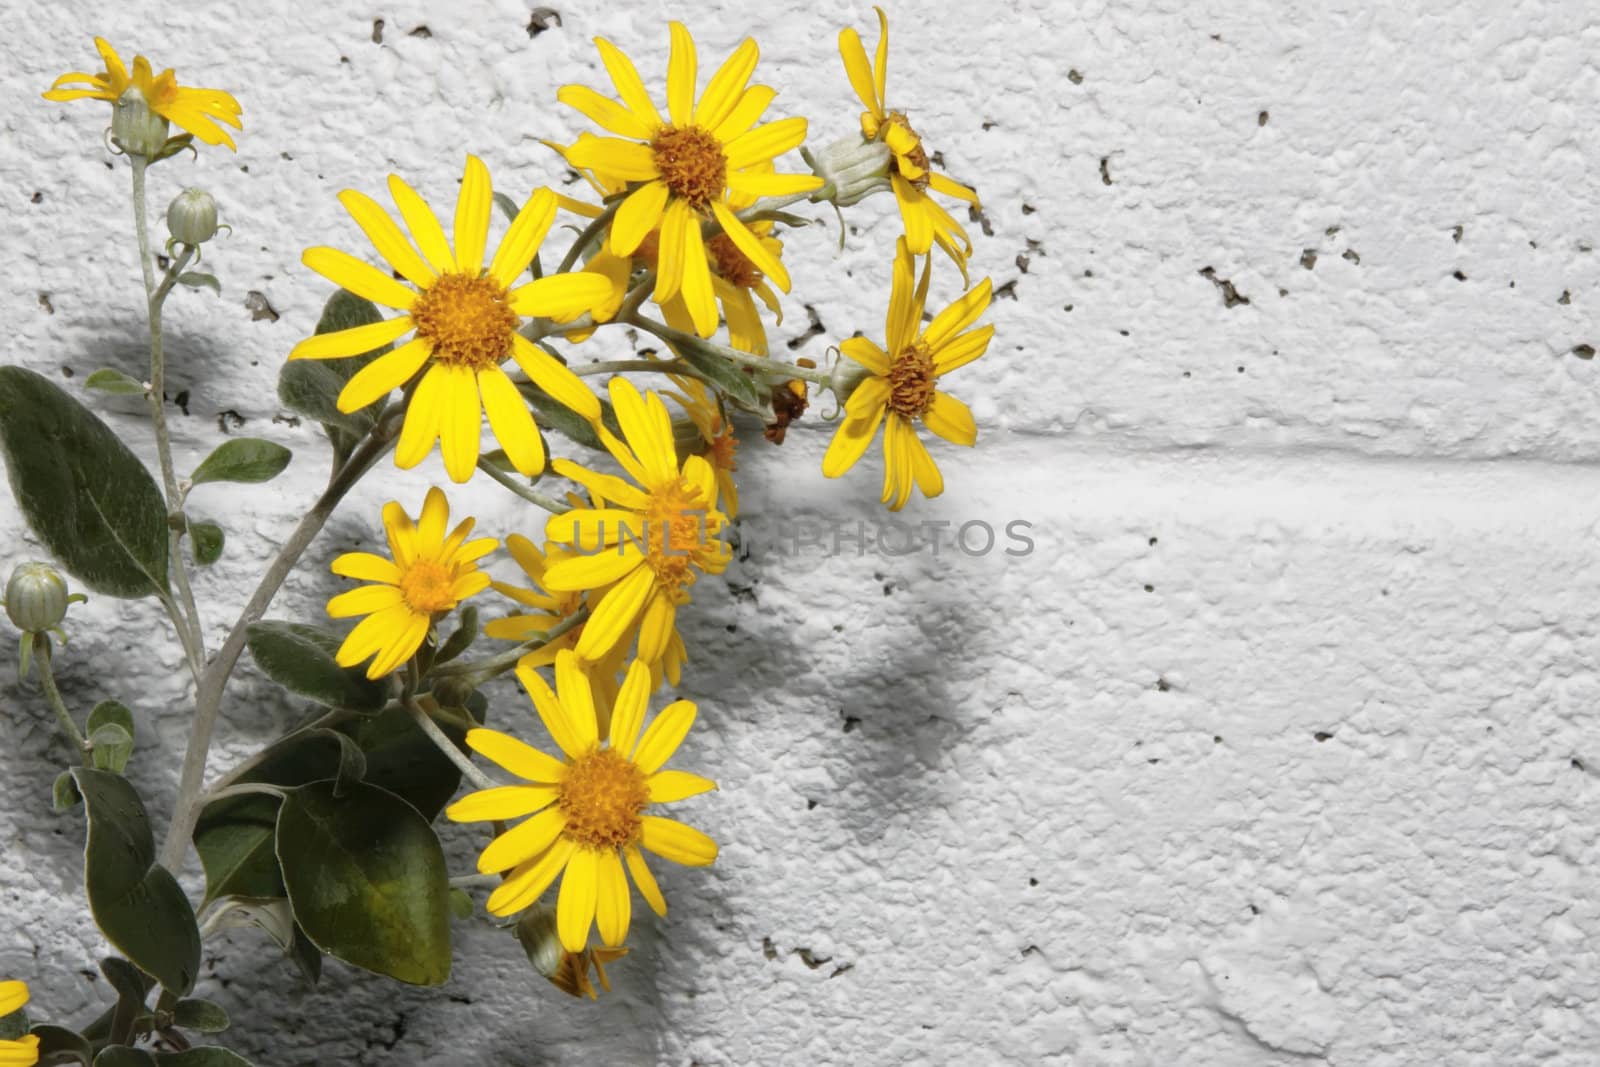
<point x="541" y="941"/>
<point x="192" y="217"/>
<point x="853" y="168"/>
<point x="136" y="129"/>
<point x="567" y="971"/>
<point x="36" y="597"/>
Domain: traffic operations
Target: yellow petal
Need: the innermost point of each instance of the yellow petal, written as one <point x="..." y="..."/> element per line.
<point x="866" y="353"/>
<point x="681" y="77"/>
<point x="613" y="899"/>
<point x="593" y="529"/>
<point x="523" y="841"/>
<point x="869" y="396"/>
<point x="356" y="341"/>
<point x="698" y="295"/>
<point x="23" y="1052"/>
<point x="522" y="240"/>
<point x="502" y="802"/>
<point x="591" y="572"/>
<point x="648" y="430"/>
<point x="723" y="91"/>
<point x="857" y="69"/>
<point x="676" y="221"/>
<point x="474" y="203"/>
<point x="627" y="710"/>
<point x="900" y="329"/>
<point x="575" y="906"/>
<point x="348" y="272"/>
<point x="668" y="786"/>
<point x="923" y="469"/>
<point x="518" y="757"/>
<point x="530" y="879"/>
<point x="552" y="713"/>
<point x="655" y="628"/>
<point x="644" y="879"/>
<point x="365" y="567"/>
<point x="421" y="427"/>
<point x="560" y="296"/>
<point x="627" y="161"/>
<point x="850" y="440"/>
<point x="664" y="736"/>
<point x="385" y="374"/>
<point x="387" y="238"/>
<point x="766" y="142"/>
<point x="460" y="424"/>
<point x="606" y="113"/>
<point x="880" y="66"/>
<point x="746" y="113"/>
<point x="639" y="214"/>
<point x="914" y="214"/>
<point x="13" y="996"/>
<point x="629" y="85"/>
<point x="364" y="601"/>
<point x="423" y="224"/>
<point x="553" y="377"/>
<point x="958" y="316"/>
<point x="751" y="245"/>
<point x="510" y="421"/>
<point x="610" y="619"/>
<point x="961" y="350"/>
<point x="572" y="689"/>
<point x="673" y="840"/>
<point x="941" y="184"/>
<point x="951" y="419"/>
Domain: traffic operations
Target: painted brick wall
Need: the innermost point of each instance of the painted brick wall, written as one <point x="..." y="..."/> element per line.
<point x="1278" y="747"/>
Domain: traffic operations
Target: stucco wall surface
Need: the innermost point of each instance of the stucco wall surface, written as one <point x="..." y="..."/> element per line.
<point x="1279" y="747"/>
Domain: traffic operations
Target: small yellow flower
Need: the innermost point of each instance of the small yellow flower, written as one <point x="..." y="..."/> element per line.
<point x="195" y="110"/>
<point x="24" y="1051"/>
<point x="587" y="811"/>
<point x="910" y="173"/>
<point x="429" y="575"/>
<point x="650" y="540"/>
<point x="465" y="319"/>
<point x="687" y="166"/>
<point x="706" y="413"/>
<point x="902" y="385"/>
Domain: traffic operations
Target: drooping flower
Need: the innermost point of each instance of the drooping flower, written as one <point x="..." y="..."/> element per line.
<point x="586" y="812"/>
<point x="22" y="1051"/>
<point x="196" y="110"/>
<point x="465" y="318"/>
<point x="567" y="971"/>
<point x="643" y="550"/>
<point x="687" y="165"/>
<point x="429" y="574"/>
<point x="911" y="174"/>
<point x="902" y="386"/>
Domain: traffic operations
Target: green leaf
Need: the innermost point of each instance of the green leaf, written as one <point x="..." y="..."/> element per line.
<point x="405" y="761"/>
<point x="202" y="1056"/>
<point x="306" y="956"/>
<point x="114" y="382"/>
<point x="200" y="1015"/>
<point x="208" y="542"/>
<point x="14" y="1025"/>
<point x="301" y="659"/>
<point x="312" y="386"/>
<point x="461" y="639"/>
<point x="717" y="370"/>
<point x="88" y="498"/>
<point x="137" y="905"/>
<point x="551" y="414"/>
<point x="64" y="792"/>
<point x="367" y="880"/>
<point x="123" y="1056"/>
<point x="110" y="730"/>
<point x="173" y="146"/>
<point x="234" y="837"/>
<point x="243" y="459"/>
<point x="132" y="987"/>
<point x="200" y="280"/>
<point x="57" y="1044"/>
<point x="461" y="906"/>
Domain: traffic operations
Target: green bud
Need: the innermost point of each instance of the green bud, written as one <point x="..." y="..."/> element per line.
<point x="36" y="597"/>
<point x="192" y="217"/>
<point x="854" y="168"/>
<point x="541" y="941"/>
<point x="136" y="129"/>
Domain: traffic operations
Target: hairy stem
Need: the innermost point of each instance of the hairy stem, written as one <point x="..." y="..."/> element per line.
<point x="208" y="700"/>
<point x="47" y="678"/>
<point x="550" y="504"/>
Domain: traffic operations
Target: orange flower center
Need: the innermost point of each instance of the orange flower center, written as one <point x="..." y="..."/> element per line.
<point x="721" y="452"/>
<point x="426" y="587"/>
<point x="732" y="264"/>
<point x="680" y="534"/>
<point x="911" y="381"/>
<point x="917" y="156"/>
<point x="601" y="798"/>
<point x="692" y="163"/>
<point x="468" y="319"/>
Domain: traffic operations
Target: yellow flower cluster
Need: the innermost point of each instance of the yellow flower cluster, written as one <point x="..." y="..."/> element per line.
<point x="689" y="200"/>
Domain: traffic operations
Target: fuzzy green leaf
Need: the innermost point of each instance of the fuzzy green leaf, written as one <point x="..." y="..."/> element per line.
<point x="208" y="542"/>
<point x="57" y="1044"/>
<point x="200" y="1015"/>
<point x="84" y="493"/>
<point x="312" y="386"/>
<point x="114" y="382"/>
<point x="243" y="459"/>
<point x="234" y="837"/>
<point x="301" y="659"/>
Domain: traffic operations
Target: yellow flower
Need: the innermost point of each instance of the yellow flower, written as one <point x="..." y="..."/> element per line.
<point x="910" y="174"/>
<point x="706" y="413"/>
<point x="547" y="610"/>
<point x="587" y="810"/>
<point x="902" y="383"/>
<point x="688" y="166"/>
<point x="195" y="110"/>
<point x="24" y="1051"/>
<point x="465" y="319"/>
<point x="429" y="575"/>
<point x="646" y="544"/>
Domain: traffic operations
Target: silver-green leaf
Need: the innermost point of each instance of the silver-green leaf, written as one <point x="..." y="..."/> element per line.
<point x="243" y="459"/>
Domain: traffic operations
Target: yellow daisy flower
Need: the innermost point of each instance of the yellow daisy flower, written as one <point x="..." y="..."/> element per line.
<point x="546" y="610"/>
<point x="910" y="174"/>
<point x="23" y="1051"/>
<point x="588" y="809"/>
<point x="647" y="544"/>
<point x="430" y="574"/>
<point x="902" y="384"/>
<point x="196" y="110"/>
<point x="465" y="319"/>
<point x="687" y="166"/>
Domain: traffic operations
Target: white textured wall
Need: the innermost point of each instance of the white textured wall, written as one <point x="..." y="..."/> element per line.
<point x="1280" y="748"/>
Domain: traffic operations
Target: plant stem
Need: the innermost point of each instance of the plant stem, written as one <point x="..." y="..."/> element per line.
<point x="47" y="678"/>
<point x="587" y="237"/>
<point x="188" y="625"/>
<point x="447" y="746"/>
<point x="208" y="698"/>
<point x="676" y="338"/>
<point x="619" y="366"/>
<point x="475" y="881"/>
<point x="555" y="507"/>
<point x="481" y="670"/>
